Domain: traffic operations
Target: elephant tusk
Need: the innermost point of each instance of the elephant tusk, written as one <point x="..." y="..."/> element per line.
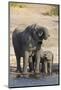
<point x="40" y="34"/>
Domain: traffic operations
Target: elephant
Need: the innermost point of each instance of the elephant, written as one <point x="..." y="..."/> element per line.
<point x="26" y="42"/>
<point x="46" y="59"/>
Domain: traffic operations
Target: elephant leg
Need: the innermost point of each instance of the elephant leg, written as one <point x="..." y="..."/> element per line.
<point x="26" y="58"/>
<point x="18" y="64"/>
<point x="23" y="63"/>
<point x="46" y="68"/>
<point x="37" y="62"/>
<point x="31" y="67"/>
<point x="42" y="66"/>
<point x="50" y="67"/>
<point x="34" y="63"/>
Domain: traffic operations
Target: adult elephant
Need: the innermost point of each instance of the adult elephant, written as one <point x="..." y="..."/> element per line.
<point x="34" y="35"/>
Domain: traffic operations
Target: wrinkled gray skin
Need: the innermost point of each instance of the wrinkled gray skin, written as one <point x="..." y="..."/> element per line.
<point x="46" y="58"/>
<point x="21" y="42"/>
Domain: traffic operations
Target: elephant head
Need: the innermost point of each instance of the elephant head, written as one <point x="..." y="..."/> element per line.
<point x="39" y="34"/>
<point x="42" y="32"/>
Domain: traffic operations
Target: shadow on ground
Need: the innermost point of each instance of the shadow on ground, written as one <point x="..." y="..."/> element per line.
<point x="32" y="81"/>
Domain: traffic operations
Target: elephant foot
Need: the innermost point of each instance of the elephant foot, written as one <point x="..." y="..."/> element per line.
<point x="19" y="70"/>
<point x="26" y="75"/>
<point x="18" y="76"/>
<point x="37" y="72"/>
<point x="37" y="75"/>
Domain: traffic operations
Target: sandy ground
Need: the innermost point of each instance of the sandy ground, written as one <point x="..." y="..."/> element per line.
<point x="22" y="17"/>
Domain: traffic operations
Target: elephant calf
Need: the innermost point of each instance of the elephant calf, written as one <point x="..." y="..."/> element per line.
<point x="47" y="61"/>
